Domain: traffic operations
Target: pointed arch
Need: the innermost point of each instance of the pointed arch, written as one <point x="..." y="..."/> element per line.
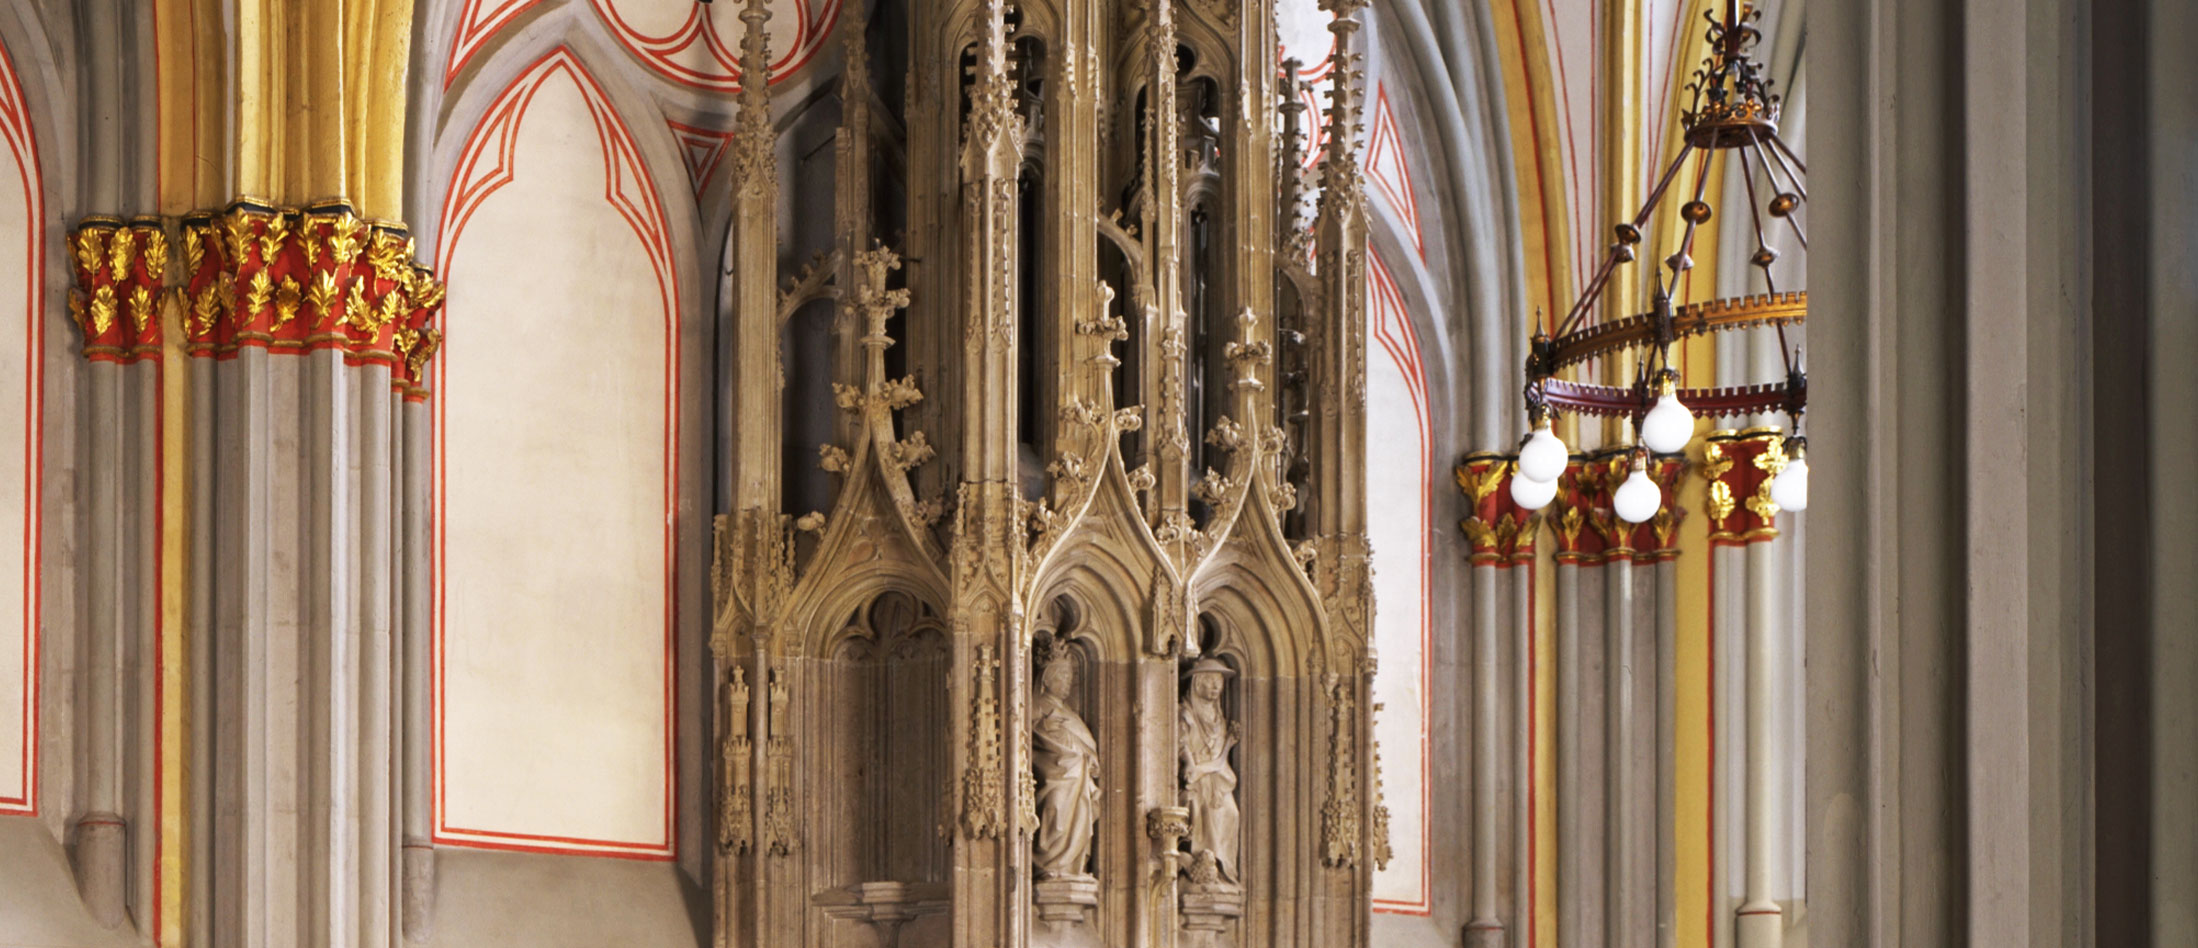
<point x="570" y="635"/>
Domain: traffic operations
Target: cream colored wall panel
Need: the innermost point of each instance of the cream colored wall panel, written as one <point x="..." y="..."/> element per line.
<point x="555" y="447"/>
<point x="22" y="301"/>
<point x="1397" y="473"/>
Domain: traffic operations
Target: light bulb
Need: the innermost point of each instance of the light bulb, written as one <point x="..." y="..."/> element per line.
<point x="1531" y="494"/>
<point x="1668" y="426"/>
<point x="1543" y="457"/>
<point x="1637" y="499"/>
<point x="1790" y="489"/>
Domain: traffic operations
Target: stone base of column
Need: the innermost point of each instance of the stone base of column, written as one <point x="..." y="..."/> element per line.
<point x="1484" y="933"/>
<point x="100" y="857"/>
<point x="417" y="893"/>
<point x="1759" y="925"/>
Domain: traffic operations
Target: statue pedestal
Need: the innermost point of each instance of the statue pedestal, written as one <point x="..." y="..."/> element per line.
<point x="1060" y="904"/>
<point x="1208" y="908"/>
<point x="1064" y="899"/>
<point x="885" y="905"/>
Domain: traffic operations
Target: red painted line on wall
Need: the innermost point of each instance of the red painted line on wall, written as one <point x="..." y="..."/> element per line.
<point x="15" y="126"/>
<point x="469" y="189"/>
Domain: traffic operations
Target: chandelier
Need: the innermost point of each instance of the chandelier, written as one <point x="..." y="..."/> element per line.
<point x="1734" y="118"/>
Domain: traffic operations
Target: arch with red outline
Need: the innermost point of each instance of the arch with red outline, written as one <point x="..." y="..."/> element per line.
<point x="19" y="638"/>
<point x="488" y="163"/>
<point x="1388" y="169"/>
<point x="1393" y="358"/>
<point x="702" y="51"/>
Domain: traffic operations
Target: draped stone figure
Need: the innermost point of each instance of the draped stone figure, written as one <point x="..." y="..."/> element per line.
<point x="1209" y="783"/>
<point x="1066" y="758"/>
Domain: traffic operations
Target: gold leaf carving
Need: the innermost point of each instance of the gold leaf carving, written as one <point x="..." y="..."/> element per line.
<point x="207" y="305"/>
<point x="237" y="226"/>
<point x="323" y="294"/>
<point x="256" y="297"/>
<point x="288" y="297"/>
<point x="396" y="304"/>
<point x="121" y="250"/>
<point x="91" y="250"/>
<point x="1760" y="503"/>
<point x="1772" y="460"/>
<point x="343" y="239"/>
<point x="391" y="256"/>
<point x="270" y="239"/>
<point x="141" y="307"/>
<point x="156" y="254"/>
<point x="426" y="291"/>
<point x="1715" y="462"/>
<point x="356" y="310"/>
<point x="194" y="248"/>
<point x="103" y="310"/>
<point x="1720" y="503"/>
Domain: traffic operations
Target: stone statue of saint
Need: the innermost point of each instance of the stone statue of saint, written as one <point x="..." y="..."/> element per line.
<point x="1066" y="758"/>
<point x="1209" y="783"/>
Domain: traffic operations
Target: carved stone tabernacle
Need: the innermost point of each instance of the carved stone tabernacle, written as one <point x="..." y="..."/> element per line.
<point x="1046" y="611"/>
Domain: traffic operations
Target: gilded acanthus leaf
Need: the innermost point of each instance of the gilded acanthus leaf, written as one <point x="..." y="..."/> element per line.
<point x="343" y="240"/>
<point x="141" y="307"/>
<point x="156" y="254"/>
<point x="425" y="290"/>
<point x="271" y="239"/>
<point x="1720" y="503"/>
<point x="356" y="310"/>
<point x="393" y="307"/>
<point x="194" y="249"/>
<point x="121" y="252"/>
<point x="322" y="295"/>
<point x="1479" y="485"/>
<point x="103" y="309"/>
<point x="288" y="297"/>
<point x="390" y="256"/>
<point x="207" y="305"/>
<point x="91" y="250"/>
<point x="1772" y="460"/>
<point x="1715" y="462"/>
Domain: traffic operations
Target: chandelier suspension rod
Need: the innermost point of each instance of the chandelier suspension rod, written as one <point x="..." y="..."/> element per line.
<point x="1686" y="243"/>
<point x="1755" y="217"/>
<point x="1594" y="288"/>
<point x="1755" y="214"/>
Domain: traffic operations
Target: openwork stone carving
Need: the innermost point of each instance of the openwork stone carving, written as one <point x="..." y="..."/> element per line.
<point x="983" y="795"/>
<point x="735" y="811"/>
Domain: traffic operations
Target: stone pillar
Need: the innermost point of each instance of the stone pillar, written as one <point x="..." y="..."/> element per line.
<point x="1758" y="921"/>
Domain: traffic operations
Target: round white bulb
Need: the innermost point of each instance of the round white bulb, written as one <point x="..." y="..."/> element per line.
<point x="1544" y="456"/>
<point x="1531" y="494"/>
<point x="1637" y="499"/>
<point x="1668" y="426"/>
<point x="1790" y="489"/>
